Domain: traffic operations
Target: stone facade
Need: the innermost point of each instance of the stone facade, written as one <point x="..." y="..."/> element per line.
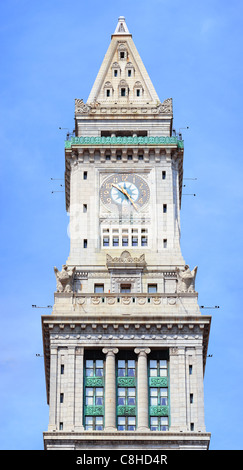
<point x="125" y="346"/>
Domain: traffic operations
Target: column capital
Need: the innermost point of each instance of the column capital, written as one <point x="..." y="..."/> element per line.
<point x="142" y="351"/>
<point x="110" y="351"/>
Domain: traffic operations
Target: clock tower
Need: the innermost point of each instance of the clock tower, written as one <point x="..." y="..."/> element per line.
<point x="125" y="346"/>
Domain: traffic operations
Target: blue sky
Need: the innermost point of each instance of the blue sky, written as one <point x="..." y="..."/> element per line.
<point x="51" y="52"/>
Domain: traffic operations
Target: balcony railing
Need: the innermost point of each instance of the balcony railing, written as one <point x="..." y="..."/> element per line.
<point x="157" y="140"/>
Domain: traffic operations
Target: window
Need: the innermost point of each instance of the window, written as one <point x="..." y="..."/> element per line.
<point x="108" y="93"/>
<point x="85" y="243"/>
<point x="93" y="390"/>
<point x="122" y="55"/>
<point x="158" y="392"/>
<point x="144" y="240"/>
<point x="140" y="157"/>
<point x="165" y="242"/>
<point x="129" y="157"/>
<point x="190" y="369"/>
<point x="129" y="73"/>
<point x="94" y="396"/>
<point x="94" y="423"/>
<point x="108" y="157"/>
<point x="85" y="175"/>
<point x="84" y="207"/>
<point x="134" y="240"/>
<point x="115" y="73"/>
<point x="115" y="241"/>
<point x="123" y="91"/>
<point x="126" y="396"/>
<point x="126" y="368"/>
<point x="191" y="398"/>
<point x="118" y="157"/>
<point x="125" y="241"/>
<point x="61" y="397"/>
<point x="138" y="92"/>
<point x="152" y="288"/>
<point x="99" y="288"/>
<point x="158" y="396"/>
<point x="126" y="392"/>
<point x="159" y="423"/>
<point x="106" y="241"/>
<point x="192" y="426"/>
<point x="125" y="288"/>
<point x="164" y="208"/>
<point x="163" y="175"/>
<point x="94" y="368"/>
<point x="61" y="426"/>
<point x="126" y="423"/>
<point x="62" y="369"/>
<point x="158" y="368"/>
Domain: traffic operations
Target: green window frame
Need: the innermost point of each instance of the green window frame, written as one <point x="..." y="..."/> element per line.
<point x="94" y="392"/>
<point x="126" y="371"/>
<point x="158" y="378"/>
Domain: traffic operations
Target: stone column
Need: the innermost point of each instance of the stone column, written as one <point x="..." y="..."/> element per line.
<point x="110" y="389"/>
<point x="142" y="389"/>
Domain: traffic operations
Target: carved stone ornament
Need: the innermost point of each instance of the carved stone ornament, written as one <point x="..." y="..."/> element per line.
<point x="166" y="106"/>
<point x="186" y="279"/>
<point x="81" y="107"/>
<point x="64" y="278"/>
<point x="125" y="258"/>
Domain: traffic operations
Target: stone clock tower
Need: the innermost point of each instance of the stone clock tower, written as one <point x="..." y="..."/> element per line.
<point x="125" y="346"/>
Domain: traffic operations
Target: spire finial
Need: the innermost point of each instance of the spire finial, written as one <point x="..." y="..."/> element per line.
<point x="121" y="27"/>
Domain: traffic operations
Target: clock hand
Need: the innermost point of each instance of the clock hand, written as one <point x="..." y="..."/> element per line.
<point x="130" y="199"/>
<point x="126" y="194"/>
<point x="117" y="187"/>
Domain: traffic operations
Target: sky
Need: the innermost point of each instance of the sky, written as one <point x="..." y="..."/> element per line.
<point x="51" y="52"/>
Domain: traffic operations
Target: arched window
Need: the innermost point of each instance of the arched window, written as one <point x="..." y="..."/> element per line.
<point x="130" y="70"/>
<point x="116" y="69"/>
<point x="138" y="90"/>
<point x="123" y="89"/>
<point x="108" y="90"/>
<point x="122" y="52"/>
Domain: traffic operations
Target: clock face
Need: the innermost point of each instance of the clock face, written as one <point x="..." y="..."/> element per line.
<point x="125" y="190"/>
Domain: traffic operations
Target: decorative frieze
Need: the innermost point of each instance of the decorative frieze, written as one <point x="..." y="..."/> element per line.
<point x="126" y="381"/>
<point x="159" y="410"/>
<point x="94" y="410"/>
<point x="128" y="410"/>
<point x="158" y="381"/>
<point x="94" y="381"/>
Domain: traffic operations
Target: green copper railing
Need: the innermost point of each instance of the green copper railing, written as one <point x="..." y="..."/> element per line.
<point x="124" y="141"/>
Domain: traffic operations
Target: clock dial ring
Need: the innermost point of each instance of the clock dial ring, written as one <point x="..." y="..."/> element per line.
<point x="124" y="190"/>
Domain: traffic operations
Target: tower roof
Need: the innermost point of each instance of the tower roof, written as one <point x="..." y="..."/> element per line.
<point x="123" y="69"/>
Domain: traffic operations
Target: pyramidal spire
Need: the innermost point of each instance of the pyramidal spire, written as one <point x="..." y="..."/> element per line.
<point x="121" y="27"/>
<point x="122" y="77"/>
